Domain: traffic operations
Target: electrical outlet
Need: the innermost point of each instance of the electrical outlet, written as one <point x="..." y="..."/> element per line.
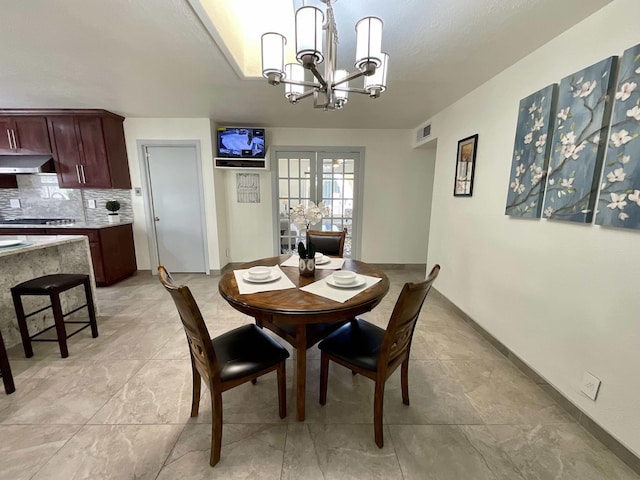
<point x="91" y="203"/>
<point x="590" y="385"/>
<point x="227" y="252"/>
<point x="14" y="202"/>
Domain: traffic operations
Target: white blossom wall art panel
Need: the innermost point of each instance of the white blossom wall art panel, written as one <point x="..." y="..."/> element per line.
<point x="619" y="204"/>
<point x="582" y="118"/>
<point x="531" y="151"/>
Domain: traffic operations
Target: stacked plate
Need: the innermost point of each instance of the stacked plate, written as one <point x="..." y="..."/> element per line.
<point x="261" y="274"/>
<point x="322" y="259"/>
<point x="10" y="243"/>
<point x="345" y="279"/>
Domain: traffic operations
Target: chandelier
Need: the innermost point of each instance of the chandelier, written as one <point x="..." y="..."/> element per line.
<point x="331" y="90"/>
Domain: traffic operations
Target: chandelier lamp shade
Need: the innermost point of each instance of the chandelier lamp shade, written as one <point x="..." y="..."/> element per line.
<point x="331" y="88"/>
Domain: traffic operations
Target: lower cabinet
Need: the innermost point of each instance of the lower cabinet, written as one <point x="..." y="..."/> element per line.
<point x="8" y="181"/>
<point x="112" y="252"/>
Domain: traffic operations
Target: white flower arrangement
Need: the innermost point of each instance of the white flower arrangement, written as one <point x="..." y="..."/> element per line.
<point x="303" y="216"/>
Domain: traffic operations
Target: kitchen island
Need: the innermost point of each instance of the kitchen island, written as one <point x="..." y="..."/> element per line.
<point x="111" y="245"/>
<point x="34" y="256"/>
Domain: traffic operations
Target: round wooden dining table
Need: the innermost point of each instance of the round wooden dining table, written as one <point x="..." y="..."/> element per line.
<point x="301" y="309"/>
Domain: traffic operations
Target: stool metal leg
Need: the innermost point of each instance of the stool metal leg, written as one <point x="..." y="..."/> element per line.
<point x="91" y="309"/>
<point x="22" y="324"/>
<point x="59" y="321"/>
<point x="5" y="369"/>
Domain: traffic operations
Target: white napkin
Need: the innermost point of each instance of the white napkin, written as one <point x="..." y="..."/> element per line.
<point x="322" y="288"/>
<point x="334" y="263"/>
<point x="245" y="287"/>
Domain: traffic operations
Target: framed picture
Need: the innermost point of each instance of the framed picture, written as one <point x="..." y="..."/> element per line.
<point x="465" y="166"/>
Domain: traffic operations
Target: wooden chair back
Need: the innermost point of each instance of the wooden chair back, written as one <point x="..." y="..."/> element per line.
<point x="329" y="243"/>
<point x="399" y="333"/>
<point x="203" y="356"/>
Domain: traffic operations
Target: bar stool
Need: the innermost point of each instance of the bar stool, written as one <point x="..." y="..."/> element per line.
<point x="5" y="369"/>
<point x="53" y="286"/>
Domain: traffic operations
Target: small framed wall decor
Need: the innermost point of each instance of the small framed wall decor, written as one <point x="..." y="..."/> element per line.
<point x="465" y="166"/>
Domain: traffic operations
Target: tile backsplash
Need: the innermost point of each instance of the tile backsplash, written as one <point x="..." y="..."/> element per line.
<point x="41" y="197"/>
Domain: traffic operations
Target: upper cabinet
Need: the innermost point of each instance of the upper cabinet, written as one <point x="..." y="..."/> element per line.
<point x="24" y="134"/>
<point x="88" y="146"/>
<point x="89" y="151"/>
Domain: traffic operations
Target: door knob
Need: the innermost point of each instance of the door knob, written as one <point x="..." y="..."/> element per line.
<point x="156" y="219"/>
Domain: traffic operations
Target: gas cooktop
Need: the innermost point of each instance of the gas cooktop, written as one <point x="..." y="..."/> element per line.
<point x="38" y="221"/>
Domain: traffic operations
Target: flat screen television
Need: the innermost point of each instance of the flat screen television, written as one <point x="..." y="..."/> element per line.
<point x="240" y="142"/>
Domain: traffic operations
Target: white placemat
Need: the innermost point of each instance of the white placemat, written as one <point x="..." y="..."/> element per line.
<point x="334" y="263"/>
<point x="245" y="287"/>
<point x="322" y="288"/>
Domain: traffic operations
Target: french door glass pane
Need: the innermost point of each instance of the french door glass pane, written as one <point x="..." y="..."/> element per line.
<point x="318" y="177"/>
<point x="338" y="193"/>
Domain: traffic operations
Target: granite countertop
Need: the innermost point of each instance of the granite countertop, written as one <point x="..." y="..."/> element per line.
<point x="36" y="242"/>
<point x="90" y="225"/>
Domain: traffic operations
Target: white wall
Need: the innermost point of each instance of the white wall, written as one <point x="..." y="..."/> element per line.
<point x="397" y="196"/>
<point x="564" y="297"/>
<point x="172" y="129"/>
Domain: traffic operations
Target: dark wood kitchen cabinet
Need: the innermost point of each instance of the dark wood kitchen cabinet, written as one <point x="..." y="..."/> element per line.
<point x="24" y="135"/>
<point x="112" y="251"/>
<point x="88" y="146"/>
<point x="8" y="181"/>
<point x="90" y="151"/>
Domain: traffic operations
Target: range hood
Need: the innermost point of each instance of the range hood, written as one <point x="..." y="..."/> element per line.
<point x="26" y="164"/>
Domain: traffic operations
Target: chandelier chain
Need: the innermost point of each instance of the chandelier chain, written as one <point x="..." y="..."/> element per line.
<point x="331" y="20"/>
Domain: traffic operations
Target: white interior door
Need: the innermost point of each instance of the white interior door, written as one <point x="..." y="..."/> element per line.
<point x="176" y="207"/>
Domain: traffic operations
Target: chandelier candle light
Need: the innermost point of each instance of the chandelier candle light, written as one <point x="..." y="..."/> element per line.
<point x="330" y="91"/>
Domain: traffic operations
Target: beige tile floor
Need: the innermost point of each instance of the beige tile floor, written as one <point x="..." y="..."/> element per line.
<point x="118" y="407"/>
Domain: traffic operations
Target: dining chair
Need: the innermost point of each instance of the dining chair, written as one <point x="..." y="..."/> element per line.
<point x="376" y="353"/>
<point x="231" y="359"/>
<point x="329" y="243"/>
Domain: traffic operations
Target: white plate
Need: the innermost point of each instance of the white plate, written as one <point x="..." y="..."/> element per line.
<point x="274" y="275"/>
<point x="323" y="261"/>
<point x="358" y="282"/>
<point x="10" y="243"/>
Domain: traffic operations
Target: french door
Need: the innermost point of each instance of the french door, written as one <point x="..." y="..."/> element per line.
<point x="332" y="177"/>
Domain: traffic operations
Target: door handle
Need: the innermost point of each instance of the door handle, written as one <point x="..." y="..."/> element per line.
<point x="78" y="173"/>
<point x="13" y="134"/>
<point x="84" y="179"/>
<point x="156" y="219"/>
<point x="9" y="137"/>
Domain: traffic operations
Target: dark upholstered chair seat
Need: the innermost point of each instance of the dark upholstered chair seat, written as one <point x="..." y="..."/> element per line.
<point x="48" y="283"/>
<point x="358" y="342"/>
<point x="245" y="351"/>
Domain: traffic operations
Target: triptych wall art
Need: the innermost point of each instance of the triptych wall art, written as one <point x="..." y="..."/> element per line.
<point x="531" y="153"/>
<point x="561" y="138"/>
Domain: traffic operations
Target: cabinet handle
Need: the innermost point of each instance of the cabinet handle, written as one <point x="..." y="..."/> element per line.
<point x="78" y="173"/>
<point x="9" y="137"/>
<point x="84" y="179"/>
<point x="13" y="134"/>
